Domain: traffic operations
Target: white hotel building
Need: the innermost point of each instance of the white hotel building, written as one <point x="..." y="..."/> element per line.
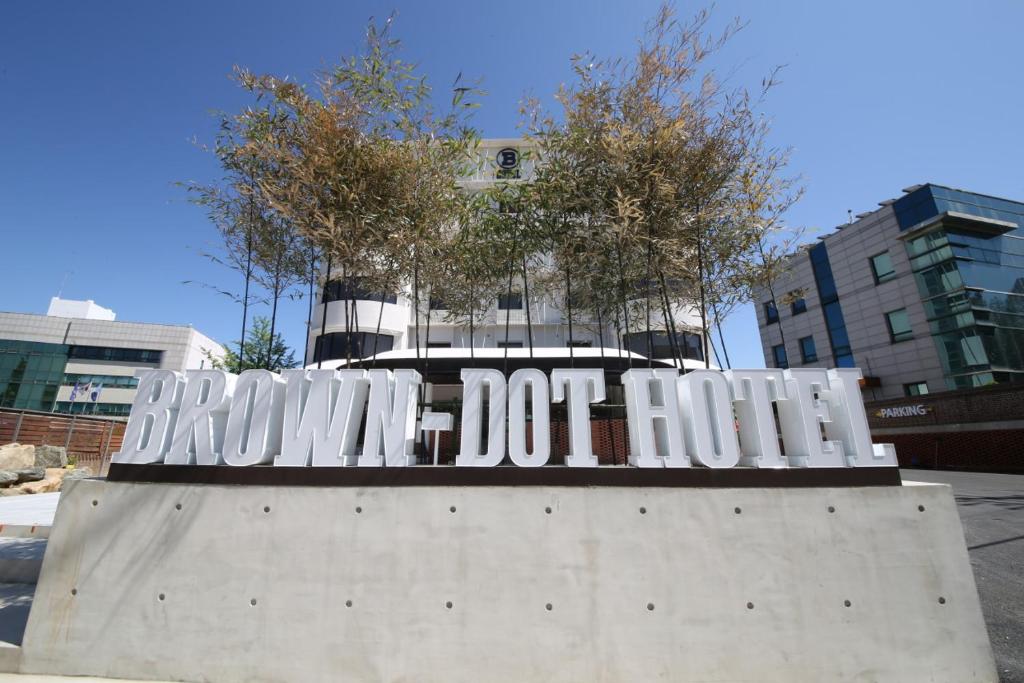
<point x="500" y="163"/>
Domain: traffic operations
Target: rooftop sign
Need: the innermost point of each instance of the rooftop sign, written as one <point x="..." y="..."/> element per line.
<point x="313" y="418"/>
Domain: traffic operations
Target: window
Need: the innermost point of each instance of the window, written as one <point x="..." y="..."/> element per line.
<point x="915" y="388"/>
<point x="771" y="313"/>
<point x="508" y="302"/>
<point x="689" y="344"/>
<point x="439" y="345"/>
<point x="808" y="353"/>
<point x="577" y="344"/>
<point x="779" y="352"/>
<point x="881" y="267"/>
<point x="437" y="304"/>
<point x="899" y="325"/>
<point x="798" y="306"/>
<point x="115" y="354"/>
<point x="108" y="381"/>
<point x="510" y="345"/>
<point x="354" y="288"/>
<point x="335" y="345"/>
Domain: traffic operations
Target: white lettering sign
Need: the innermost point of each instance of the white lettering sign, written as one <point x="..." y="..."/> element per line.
<point x="314" y="418"/>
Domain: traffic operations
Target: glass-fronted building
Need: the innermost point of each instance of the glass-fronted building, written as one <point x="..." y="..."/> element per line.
<point x="924" y="294"/>
<point x="87" y="365"/>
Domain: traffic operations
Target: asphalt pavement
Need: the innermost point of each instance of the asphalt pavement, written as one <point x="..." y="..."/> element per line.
<point x="992" y="511"/>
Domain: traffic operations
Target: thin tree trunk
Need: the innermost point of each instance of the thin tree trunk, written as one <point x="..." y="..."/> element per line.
<point x="323" y="317"/>
<point x="309" y="315"/>
<point x="348" y="323"/>
<point x="604" y="370"/>
<point x="376" y="334"/>
<point x="245" y="296"/>
<point x="273" y="326"/>
<point x="703" y="295"/>
<point x="508" y="316"/>
<point x="647" y="296"/>
<point x="526" y="303"/>
<point x="622" y="294"/>
<point x="671" y="318"/>
<point x="472" y="341"/>
<point x="721" y="337"/>
<point x="568" y="307"/>
<point x="771" y="293"/>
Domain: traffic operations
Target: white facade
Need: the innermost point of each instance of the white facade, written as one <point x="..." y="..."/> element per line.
<point x="549" y="323"/>
<point x="70" y="308"/>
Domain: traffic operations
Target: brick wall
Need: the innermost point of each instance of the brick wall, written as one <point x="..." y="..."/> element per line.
<point x="934" y="440"/>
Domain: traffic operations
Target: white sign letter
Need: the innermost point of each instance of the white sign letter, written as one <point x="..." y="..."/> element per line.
<point x="652" y="412"/>
<point x="253" y="433"/>
<point x="151" y="421"/>
<point x="473" y="381"/>
<point x="391" y="418"/>
<point x="199" y="432"/>
<point x="517" y="387"/>
<point x="707" y="418"/>
<point x="585" y="387"/>
<point x="753" y="394"/>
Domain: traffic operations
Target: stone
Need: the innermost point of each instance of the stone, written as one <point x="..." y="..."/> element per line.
<point x="7" y="478"/>
<point x="13" y="491"/>
<point x="30" y="474"/>
<point x="16" y="456"/>
<point x="51" y="456"/>
<point x="48" y="484"/>
<point x="78" y="473"/>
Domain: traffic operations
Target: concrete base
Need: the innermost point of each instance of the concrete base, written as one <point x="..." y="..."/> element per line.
<point x="220" y="583"/>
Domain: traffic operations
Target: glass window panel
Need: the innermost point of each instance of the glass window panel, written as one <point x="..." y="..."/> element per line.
<point x="899" y="325"/>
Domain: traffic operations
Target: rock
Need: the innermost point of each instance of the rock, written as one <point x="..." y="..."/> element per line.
<point x="8" y="478"/>
<point x="78" y="473"/>
<point x="11" y="492"/>
<point x="14" y="456"/>
<point x="51" y="482"/>
<point x="30" y="474"/>
<point x="51" y="456"/>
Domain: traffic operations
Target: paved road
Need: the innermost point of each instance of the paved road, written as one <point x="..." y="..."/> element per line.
<point x="992" y="511"/>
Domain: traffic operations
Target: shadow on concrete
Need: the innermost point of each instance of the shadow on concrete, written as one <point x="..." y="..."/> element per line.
<point x="15" y="602"/>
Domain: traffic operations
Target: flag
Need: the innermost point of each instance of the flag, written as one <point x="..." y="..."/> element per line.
<point x="74" y="392"/>
<point x="96" y="392"/>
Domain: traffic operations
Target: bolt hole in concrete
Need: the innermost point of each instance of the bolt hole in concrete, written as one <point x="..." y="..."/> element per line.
<point x="348" y="603"/>
<point x="942" y="601"/>
<point x="253" y="602"/>
<point x="358" y="510"/>
<point x="95" y="503"/>
<point x="178" y="506"/>
<point x="846" y="603"/>
<point x="547" y="510"/>
<point x="750" y="605"/>
<point x="451" y="509"/>
<point x="643" y="511"/>
<point x="448" y="604"/>
<point x="920" y="508"/>
<point x="548" y="607"/>
<point x="266" y="508"/>
<point x="831" y="508"/>
<point x="74" y="591"/>
<point x="650" y="607"/>
<point x="161" y="597"/>
<point x="737" y="510"/>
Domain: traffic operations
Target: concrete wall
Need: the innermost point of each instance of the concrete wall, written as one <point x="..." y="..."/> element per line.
<point x="507" y="584"/>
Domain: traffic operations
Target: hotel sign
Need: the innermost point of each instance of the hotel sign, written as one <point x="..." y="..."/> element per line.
<point x="313" y="418"/>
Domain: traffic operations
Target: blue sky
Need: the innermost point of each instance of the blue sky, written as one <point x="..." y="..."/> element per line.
<point x="100" y="102"/>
